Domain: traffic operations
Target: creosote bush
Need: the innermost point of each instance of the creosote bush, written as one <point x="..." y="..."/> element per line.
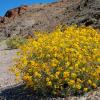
<point x="63" y="62"/>
<point x="15" y="42"/>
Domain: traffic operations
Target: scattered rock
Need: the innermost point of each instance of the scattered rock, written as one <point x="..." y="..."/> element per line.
<point x="2" y="19"/>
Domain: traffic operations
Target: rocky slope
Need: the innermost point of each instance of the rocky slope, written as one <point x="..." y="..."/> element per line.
<point x="44" y="17"/>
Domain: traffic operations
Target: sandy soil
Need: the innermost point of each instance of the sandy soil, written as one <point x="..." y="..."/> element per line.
<point x="6" y="61"/>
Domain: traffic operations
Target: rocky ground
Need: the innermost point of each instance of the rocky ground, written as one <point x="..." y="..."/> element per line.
<point x="6" y="61"/>
<point x="44" y="17"/>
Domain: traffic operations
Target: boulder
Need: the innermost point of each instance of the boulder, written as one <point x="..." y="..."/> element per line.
<point x="16" y="11"/>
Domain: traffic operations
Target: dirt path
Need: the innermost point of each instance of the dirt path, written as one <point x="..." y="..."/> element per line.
<point x="6" y="61"/>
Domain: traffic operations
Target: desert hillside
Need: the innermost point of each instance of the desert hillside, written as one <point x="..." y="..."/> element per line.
<point x="44" y="17"/>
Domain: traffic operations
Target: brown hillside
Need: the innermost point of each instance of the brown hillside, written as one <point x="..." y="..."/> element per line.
<point x="44" y="17"/>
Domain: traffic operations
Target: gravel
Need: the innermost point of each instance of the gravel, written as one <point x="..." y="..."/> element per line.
<point x="6" y="61"/>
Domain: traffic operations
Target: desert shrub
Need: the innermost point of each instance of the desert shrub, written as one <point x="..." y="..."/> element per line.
<point x="64" y="62"/>
<point x="15" y="42"/>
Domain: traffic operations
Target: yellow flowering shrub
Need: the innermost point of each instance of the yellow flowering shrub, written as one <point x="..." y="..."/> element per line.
<point x="63" y="62"/>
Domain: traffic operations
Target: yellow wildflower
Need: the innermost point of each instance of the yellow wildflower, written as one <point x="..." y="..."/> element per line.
<point x="73" y="75"/>
<point x="49" y="83"/>
<point x="71" y="82"/>
<point x="85" y="89"/>
<point x="78" y="86"/>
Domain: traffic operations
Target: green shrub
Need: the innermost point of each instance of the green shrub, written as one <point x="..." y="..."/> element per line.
<point x="15" y="42"/>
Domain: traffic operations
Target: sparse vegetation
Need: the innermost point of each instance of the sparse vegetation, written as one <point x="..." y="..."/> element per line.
<point x="65" y="62"/>
<point x="15" y="42"/>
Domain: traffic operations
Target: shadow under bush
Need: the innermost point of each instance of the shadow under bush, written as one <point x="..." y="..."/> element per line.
<point x="20" y="92"/>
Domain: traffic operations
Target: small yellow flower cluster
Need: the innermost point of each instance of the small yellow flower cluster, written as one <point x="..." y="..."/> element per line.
<point x="66" y="60"/>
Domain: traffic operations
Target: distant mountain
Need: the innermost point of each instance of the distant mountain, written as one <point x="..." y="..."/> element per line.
<point x="25" y="20"/>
